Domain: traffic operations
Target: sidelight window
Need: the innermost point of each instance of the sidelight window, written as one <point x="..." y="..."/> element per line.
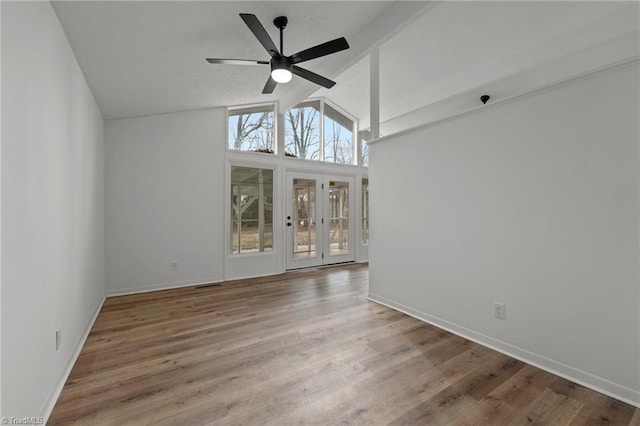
<point x="365" y="211"/>
<point x="251" y="210"/>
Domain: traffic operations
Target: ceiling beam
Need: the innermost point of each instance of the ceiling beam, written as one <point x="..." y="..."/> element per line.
<point x="396" y="18"/>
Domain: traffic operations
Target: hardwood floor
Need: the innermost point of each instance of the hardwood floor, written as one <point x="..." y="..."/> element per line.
<point x="304" y="347"/>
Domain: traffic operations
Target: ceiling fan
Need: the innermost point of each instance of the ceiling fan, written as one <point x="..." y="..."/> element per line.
<point x="282" y="67"/>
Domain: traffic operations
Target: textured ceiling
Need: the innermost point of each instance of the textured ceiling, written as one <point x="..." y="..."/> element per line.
<point x="147" y="57"/>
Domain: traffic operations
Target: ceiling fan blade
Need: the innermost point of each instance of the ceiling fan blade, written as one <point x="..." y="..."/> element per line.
<point x="269" y="87"/>
<point x="323" y="49"/>
<point x="313" y="77"/>
<point x="261" y="34"/>
<point x="236" y="61"/>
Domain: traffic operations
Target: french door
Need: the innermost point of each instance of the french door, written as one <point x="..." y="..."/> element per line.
<point x="319" y="220"/>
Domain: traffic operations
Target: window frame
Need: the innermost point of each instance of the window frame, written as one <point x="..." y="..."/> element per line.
<point x="354" y="132"/>
<point x="362" y="134"/>
<point x="279" y="146"/>
<point x="274" y="136"/>
<point x="364" y="217"/>
<point x="320" y="130"/>
<point x="229" y="216"/>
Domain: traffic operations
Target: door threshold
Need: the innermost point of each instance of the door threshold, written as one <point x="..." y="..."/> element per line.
<point x="311" y="268"/>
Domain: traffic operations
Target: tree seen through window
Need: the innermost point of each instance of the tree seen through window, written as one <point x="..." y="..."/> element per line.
<point x="302" y="131"/>
<point x="313" y="130"/>
<point x="251" y="129"/>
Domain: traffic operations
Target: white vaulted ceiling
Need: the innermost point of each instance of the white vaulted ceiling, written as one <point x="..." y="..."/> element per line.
<point x="464" y="48"/>
<point x="147" y="57"/>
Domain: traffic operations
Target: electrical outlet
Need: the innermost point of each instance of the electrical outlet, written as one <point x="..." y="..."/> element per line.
<point x="58" y="338"/>
<point x="174" y="266"/>
<point x="499" y="310"/>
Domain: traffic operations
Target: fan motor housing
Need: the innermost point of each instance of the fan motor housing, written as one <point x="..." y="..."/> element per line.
<point x="281" y="63"/>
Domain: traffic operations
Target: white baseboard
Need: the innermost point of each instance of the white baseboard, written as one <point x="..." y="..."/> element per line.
<point x="55" y="394"/>
<point x="599" y="384"/>
<point x="162" y="286"/>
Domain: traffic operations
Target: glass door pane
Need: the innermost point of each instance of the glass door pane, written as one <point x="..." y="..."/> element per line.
<point x="304" y="218"/>
<point x="338" y="218"/>
<point x="338" y="232"/>
<point x="304" y="223"/>
<point x="319" y="220"/>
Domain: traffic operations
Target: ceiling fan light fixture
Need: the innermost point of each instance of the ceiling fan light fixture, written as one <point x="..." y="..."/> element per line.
<point x="281" y="75"/>
<point x="283" y="67"/>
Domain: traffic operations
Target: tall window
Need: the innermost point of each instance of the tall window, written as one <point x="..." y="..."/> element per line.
<point x="302" y="131"/>
<point x="251" y="210"/>
<point x="338" y="137"/>
<point x="365" y="211"/>
<point x="251" y="129"/>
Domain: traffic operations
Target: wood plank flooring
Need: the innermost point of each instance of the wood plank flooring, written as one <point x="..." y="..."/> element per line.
<point x="305" y="347"/>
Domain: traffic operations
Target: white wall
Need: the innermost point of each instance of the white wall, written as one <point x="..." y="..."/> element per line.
<point x="0" y="212"/>
<point x="1" y="415"/>
<point x="165" y="200"/>
<point x="52" y="208"/>
<point x="532" y="202"/>
<point x="166" y="191"/>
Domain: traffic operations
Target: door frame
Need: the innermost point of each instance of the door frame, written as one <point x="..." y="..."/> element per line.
<point x="290" y="261"/>
<point x="329" y="259"/>
<point x="322" y="220"/>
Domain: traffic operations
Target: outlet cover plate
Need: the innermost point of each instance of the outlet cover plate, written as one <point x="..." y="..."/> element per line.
<point x="499" y="310"/>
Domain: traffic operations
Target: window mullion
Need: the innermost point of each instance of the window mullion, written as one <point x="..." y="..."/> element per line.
<point x="261" y="210"/>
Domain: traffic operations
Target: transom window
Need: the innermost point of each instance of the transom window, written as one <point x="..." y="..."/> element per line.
<point x="302" y="131"/>
<point x="251" y="129"/>
<point x="338" y="137"/>
<point x="313" y="130"/>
